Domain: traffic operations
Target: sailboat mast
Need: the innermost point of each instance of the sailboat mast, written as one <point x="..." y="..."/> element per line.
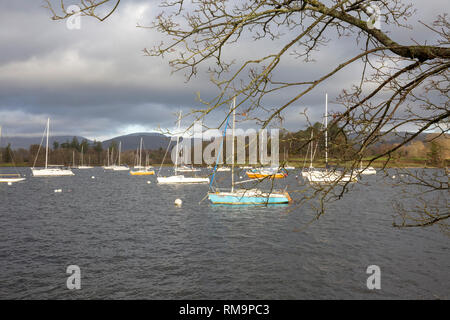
<point x="140" y="154"/>
<point x="120" y="150"/>
<point x="46" y="146"/>
<point x="178" y="139"/>
<point x="312" y="147"/>
<point x="326" y="130"/>
<point x="232" y="145"/>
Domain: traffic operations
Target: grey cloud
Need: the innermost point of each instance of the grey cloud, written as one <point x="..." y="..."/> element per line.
<point x="96" y="82"/>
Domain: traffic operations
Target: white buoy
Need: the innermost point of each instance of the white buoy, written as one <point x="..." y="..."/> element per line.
<point x="58" y="190"/>
<point x="178" y="202"/>
<point x="9" y="183"/>
<point x="393" y="177"/>
<point x="92" y="177"/>
<point x="148" y="182"/>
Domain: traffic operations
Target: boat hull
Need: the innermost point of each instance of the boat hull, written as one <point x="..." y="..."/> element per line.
<point x="120" y="168"/>
<point x="253" y="175"/>
<point x="11" y="180"/>
<point x="367" y="171"/>
<point x="51" y="172"/>
<point x="142" y="173"/>
<point x="327" y="177"/>
<point x="249" y="198"/>
<point x="181" y="180"/>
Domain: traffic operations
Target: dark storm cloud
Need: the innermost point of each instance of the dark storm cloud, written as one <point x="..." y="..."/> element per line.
<point x="96" y="82"/>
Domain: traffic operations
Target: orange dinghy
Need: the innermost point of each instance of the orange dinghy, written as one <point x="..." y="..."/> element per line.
<point x="142" y="173"/>
<point x="261" y="174"/>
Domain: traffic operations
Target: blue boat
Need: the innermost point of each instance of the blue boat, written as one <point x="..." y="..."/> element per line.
<point x="251" y="196"/>
<point x="243" y="196"/>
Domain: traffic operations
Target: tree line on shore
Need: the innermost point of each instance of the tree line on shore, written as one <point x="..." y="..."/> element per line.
<point x="433" y="151"/>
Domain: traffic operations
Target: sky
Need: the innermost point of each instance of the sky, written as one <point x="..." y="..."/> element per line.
<point x="96" y="82"/>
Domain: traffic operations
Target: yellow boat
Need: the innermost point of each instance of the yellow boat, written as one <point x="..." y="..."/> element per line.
<point x="142" y="173"/>
<point x="261" y="174"/>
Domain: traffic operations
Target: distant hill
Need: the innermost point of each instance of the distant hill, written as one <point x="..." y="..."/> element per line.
<point x="151" y="141"/>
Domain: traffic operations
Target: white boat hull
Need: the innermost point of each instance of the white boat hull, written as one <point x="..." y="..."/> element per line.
<point x="10" y="180"/>
<point x="179" y="179"/>
<point x="120" y="168"/>
<point x="367" y="171"/>
<point x="316" y="176"/>
<point x="188" y="170"/>
<point x="56" y="172"/>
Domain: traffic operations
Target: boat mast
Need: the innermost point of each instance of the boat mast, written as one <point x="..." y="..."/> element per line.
<point x="178" y="139"/>
<point x="232" y="145"/>
<point x="140" y="154"/>
<point x="326" y="130"/>
<point x="81" y="155"/>
<point x="312" y="147"/>
<point x="46" y="147"/>
<point x="120" y="149"/>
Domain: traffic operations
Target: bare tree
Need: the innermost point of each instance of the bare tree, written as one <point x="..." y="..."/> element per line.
<point x="400" y="84"/>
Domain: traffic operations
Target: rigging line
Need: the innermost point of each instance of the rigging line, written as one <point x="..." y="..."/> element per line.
<point x="306" y="156"/>
<point x="162" y="162"/>
<point x="10" y="151"/>
<point x="220" y="151"/>
<point x="42" y="140"/>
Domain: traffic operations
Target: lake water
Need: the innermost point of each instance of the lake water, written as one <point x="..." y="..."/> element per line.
<point x="131" y="242"/>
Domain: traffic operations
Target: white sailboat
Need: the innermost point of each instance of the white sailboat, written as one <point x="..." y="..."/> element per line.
<point x="180" y="179"/>
<point x="82" y="166"/>
<point x="188" y="169"/>
<point x="244" y="196"/>
<point x="365" y="171"/>
<point x="49" y="171"/>
<point x="9" y="177"/>
<point x="223" y="169"/>
<point x="326" y="176"/>
<point x="108" y="166"/>
<point x="139" y="169"/>
<point x="120" y="167"/>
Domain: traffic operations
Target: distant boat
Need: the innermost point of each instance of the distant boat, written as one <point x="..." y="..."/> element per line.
<point x="119" y="167"/>
<point x="9" y="177"/>
<point x="140" y="170"/>
<point x="325" y="176"/>
<point x="365" y="171"/>
<point x="108" y="166"/>
<point x="187" y="169"/>
<point x="179" y="179"/>
<point x="243" y="196"/>
<point x="272" y="173"/>
<point x="55" y="170"/>
<point x="223" y="169"/>
<point x="82" y="166"/>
